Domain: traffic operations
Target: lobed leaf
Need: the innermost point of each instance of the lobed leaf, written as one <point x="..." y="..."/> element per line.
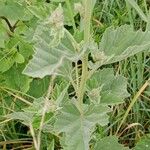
<point x="121" y="43"/>
<point x="78" y="127"/>
<point x="112" y="89"/>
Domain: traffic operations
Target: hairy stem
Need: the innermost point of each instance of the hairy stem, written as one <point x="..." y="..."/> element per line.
<point x="87" y="23"/>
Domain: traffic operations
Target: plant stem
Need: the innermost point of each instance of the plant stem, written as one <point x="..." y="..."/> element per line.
<point x="34" y="137"/>
<point x="87" y="20"/>
<point x="77" y="77"/>
<point x="71" y="14"/>
<point x="11" y="27"/>
<point x="83" y="79"/>
<point x="87" y="24"/>
<point x="50" y="88"/>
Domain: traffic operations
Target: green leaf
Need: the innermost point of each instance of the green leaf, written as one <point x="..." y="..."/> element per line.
<point x="20" y="13"/>
<point x="6" y="64"/>
<point x="110" y="98"/>
<point x="14" y="79"/>
<point x="119" y="86"/>
<point x="37" y="108"/>
<point x="121" y="43"/>
<point x="60" y="92"/>
<point x="7" y="60"/>
<point x="143" y="144"/>
<point x="3" y="36"/>
<point x="33" y="113"/>
<point x="47" y="58"/>
<point x="8" y="57"/>
<point x="107" y="143"/>
<point x="55" y="48"/>
<point x="26" y="117"/>
<point x="24" y="48"/>
<point x="111" y="89"/>
<point x="19" y="58"/>
<point x="41" y="10"/>
<point x="67" y="17"/>
<point x="78" y="127"/>
<point x="38" y="87"/>
<point x="101" y="77"/>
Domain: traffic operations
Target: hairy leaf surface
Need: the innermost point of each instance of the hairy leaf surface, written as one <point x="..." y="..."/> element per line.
<point x="121" y="43"/>
<point x="108" y="143"/>
<point x="111" y="89"/>
<point x="78" y="127"/>
<point x="51" y="54"/>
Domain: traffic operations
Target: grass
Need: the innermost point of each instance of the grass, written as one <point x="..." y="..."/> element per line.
<point x="130" y="120"/>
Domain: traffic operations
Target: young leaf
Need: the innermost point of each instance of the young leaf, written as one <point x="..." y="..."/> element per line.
<point x="26" y="117"/>
<point x="39" y="105"/>
<point x="40" y="10"/>
<point x="19" y="58"/>
<point x="113" y="88"/>
<point x="107" y="143"/>
<point x="63" y="96"/>
<point x="78" y="127"/>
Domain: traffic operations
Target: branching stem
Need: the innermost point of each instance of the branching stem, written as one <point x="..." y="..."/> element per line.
<point x="11" y="27"/>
